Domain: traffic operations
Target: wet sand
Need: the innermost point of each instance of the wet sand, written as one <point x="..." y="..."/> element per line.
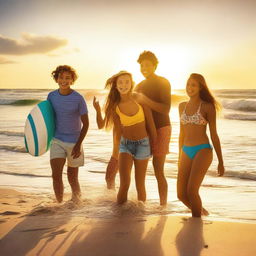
<point x="34" y="225"/>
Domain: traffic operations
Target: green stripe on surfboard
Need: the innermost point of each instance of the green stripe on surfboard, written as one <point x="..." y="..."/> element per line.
<point x="33" y="127"/>
<point x="48" y="115"/>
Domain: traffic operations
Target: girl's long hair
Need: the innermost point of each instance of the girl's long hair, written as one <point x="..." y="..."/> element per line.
<point x="204" y="92"/>
<point x="113" y="98"/>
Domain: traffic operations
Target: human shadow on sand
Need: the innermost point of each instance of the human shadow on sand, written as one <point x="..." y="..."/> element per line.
<point x="123" y="235"/>
<point x="41" y="225"/>
<point x="190" y="241"/>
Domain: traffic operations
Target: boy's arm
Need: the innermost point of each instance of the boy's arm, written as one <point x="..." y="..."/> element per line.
<point x="150" y="125"/>
<point x="165" y="98"/>
<point x="76" y="150"/>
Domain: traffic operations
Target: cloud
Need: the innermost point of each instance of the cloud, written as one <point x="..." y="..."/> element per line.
<point x="65" y="51"/>
<point x="30" y="44"/>
<point x="6" y="61"/>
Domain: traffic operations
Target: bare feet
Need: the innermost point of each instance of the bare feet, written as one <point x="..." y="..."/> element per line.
<point x="204" y="212"/>
<point x="76" y="199"/>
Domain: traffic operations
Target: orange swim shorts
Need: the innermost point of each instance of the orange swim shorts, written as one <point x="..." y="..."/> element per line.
<point x="161" y="145"/>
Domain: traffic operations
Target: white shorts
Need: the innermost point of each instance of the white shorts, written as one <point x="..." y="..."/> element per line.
<point x="60" y="149"/>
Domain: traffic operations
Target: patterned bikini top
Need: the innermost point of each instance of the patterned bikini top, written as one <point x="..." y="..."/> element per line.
<point x="197" y="118"/>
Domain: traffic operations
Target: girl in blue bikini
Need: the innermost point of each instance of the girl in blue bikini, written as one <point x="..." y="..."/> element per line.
<point x="195" y="151"/>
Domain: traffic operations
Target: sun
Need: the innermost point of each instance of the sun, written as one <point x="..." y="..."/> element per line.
<point x="175" y="63"/>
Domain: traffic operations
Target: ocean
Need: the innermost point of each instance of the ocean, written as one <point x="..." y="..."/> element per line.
<point x="229" y="198"/>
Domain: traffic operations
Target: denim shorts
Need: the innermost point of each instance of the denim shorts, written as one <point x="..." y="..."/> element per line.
<point x="139" y="149"/>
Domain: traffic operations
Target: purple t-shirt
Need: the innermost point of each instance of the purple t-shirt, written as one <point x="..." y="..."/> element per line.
<point x="68" y="110"/>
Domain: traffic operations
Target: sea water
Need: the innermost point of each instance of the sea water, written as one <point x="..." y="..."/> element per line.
<point x="232" y="197"/>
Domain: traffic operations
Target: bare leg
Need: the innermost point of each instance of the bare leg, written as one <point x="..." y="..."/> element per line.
<point x="158" y="163"/>
<point x="140" y="174"/>
<point x="57" y="165"/>
<point x="125" y="166"/>
<point x="183" y="178"/>
<point x="74" y="183"/>
<point x="200" y="165"/>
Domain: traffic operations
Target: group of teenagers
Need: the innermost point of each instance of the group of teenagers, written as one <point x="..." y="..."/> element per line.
<point x="140" y="123"/>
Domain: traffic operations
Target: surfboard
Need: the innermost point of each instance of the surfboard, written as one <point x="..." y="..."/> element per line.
<point x="39" y="128"/>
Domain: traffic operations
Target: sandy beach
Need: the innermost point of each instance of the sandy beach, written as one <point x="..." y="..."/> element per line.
<point x="31" y="226"/>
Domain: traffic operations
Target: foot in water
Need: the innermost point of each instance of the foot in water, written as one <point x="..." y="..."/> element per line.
<point x="204" y="212"/>
<point x="76" y="199"/>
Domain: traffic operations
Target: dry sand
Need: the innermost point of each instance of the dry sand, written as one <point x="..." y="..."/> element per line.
<point x="28" y="227"/>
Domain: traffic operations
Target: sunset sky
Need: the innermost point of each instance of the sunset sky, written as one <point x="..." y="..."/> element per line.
<point x="216" y="38"/>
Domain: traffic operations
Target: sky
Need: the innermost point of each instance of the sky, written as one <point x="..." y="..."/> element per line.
<point x="216" y="38"/>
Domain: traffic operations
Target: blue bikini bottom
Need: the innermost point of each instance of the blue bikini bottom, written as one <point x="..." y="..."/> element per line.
<point x="191" y="151"/>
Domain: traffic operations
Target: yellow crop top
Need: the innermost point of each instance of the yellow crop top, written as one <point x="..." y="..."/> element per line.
<point x="131" y="120"/>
